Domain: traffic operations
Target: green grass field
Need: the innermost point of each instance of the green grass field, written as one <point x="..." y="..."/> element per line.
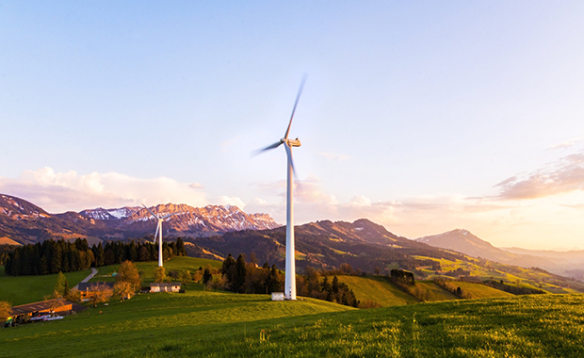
<point x="524" y="277"/>
<point x="210" y="324"/>
<point x="149" y="268"/>
<point x="219" y="324"/>
<point x="385" y="294"/>
<point x="378" y="290"/>
<point x="478" y="290"/>
<point x="435" y="292"/>
<point x="27" y="289"/>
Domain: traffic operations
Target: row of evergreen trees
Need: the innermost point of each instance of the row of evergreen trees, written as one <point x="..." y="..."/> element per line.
<point x="115" y="252"/>
<point x="241" y="277"/>
<point x="51" y="257"/>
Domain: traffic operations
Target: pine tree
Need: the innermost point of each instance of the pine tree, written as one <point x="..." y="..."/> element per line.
<point x="132" y="251"/>
<point x="56" y="258"/>
<point x="207" y="276"/>
<point x="240" y="272"/>
<point x="180" y="247"/>
<point x="228" y="271"/>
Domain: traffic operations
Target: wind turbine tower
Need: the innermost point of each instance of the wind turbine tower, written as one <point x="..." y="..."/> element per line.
<point x="290" y="283"/>
<point x="158" y="232"/>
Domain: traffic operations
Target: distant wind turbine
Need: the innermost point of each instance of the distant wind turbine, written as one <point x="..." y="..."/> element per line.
<point x="290" y="283"/>
<point x="159" y="232"/>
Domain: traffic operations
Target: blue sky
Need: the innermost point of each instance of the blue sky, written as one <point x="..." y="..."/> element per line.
<point x="412" y="115"/>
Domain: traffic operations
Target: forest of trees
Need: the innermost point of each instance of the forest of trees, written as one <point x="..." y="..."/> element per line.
<point x="51" y="257"/>
<point x="115" y="252"/>
<point x="247" y="277"/>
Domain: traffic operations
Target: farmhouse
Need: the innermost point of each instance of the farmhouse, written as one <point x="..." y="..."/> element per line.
<point x="165" y="287"/>
<point x="45" y="310"/>
<point x="89" y="289"/>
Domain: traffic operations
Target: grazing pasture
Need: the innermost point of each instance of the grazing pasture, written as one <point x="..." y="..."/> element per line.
<point x="211" y="324"/>
<point x="20" y="290"/>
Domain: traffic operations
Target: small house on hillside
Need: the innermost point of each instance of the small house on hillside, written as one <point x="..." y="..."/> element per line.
<point x="165" y="287"/>
<point x="89" y="289"/>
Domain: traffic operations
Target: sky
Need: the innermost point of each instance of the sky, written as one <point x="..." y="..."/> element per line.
<point x="421" y="116"/>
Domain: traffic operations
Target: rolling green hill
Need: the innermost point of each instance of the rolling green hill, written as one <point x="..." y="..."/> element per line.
<point x="478" y="290"/>
<point x="378" y="290"/>
<point x="149" y="268"/>
<point x="211" y="324"/>
<point x="434" y="292"/>
<point x="488" y="270"/>
<point x="20" y="290"/>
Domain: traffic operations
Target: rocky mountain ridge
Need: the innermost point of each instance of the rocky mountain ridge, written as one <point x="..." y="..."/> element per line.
<point x="25" y="222"/>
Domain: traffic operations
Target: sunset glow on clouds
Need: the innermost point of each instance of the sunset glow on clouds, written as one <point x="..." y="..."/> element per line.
<point x="423" y="117"/>
<point x="551" y="208"/>
<point x="60" y="192"/>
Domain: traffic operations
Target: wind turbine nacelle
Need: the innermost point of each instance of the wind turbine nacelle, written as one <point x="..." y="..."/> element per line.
<point x="293" y="142"/>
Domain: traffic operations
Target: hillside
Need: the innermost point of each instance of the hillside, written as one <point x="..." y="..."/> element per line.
<point x="465" y="242"/>
<point x="369" y="248"/>
<point x="26" y="289"/>
<point x="377" y="289"/>
<point x="211" y="324"/>
<point x="325" y="244"/>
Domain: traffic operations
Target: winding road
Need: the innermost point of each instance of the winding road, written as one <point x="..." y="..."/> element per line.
<point x="93" y="273"/>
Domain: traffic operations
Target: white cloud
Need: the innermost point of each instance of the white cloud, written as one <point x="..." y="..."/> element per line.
<point x="59" y="192"/>
<point x="564" y="175"/>
<point x="196" y="186"/>
<point x="566" y="144"/>
<point x="230" y="200"/>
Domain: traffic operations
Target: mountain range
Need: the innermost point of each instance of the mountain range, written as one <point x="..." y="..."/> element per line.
<point x="24" y="222"/>
<point x="214" y="231"/>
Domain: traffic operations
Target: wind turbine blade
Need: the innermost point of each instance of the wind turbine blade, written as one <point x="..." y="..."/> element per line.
<point x="270" y="147"/>
<point x="295" y="104"/>
<point x="156" y="233"/>
<point x="150" y="211"/>
<point x="289" y="153"/>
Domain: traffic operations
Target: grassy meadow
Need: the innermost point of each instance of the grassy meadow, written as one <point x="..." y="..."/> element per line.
<point x="377" y="289"/>
<point x="478" y="290"/>
<point x="211" y="324"/>
<point x="218" y="324"/>
<point x="148" y="269"/>
<point x="20" y="290"/>
<point x="528" y="278"/>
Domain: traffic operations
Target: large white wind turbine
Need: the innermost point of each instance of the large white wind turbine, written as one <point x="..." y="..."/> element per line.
<point x="290" y="284"/>
<point x="158" y="232"/>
